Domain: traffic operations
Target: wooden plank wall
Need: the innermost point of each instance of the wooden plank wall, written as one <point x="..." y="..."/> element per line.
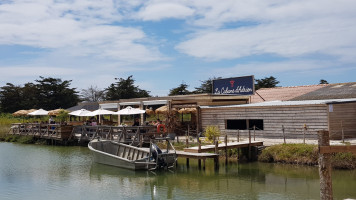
<point x="345" y="113"/>
<point x="292" y="118"/>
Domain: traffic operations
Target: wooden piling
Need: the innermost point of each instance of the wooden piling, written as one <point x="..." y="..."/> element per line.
<point x="238" y="135"/>
<point x="284" y="135"/>
<point x="226" y="157"/>
<point x="254" y="133"/>
<point x="324" y="160"/>
<point x="249" y="145"/>
<point x="342" y="132"/>
<point x="216" y="160"/>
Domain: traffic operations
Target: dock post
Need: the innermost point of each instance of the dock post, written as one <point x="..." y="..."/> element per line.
<point x="326" y="191"/>
<point x="216" y="159"/>
<point x="199" y="147"/>
<point x="249" y="144"/>
<point x="187" y="142"/>
<point x="254" y="133"/>
<point x="238" y="135"/>
<point x="304" y="130"/>
<point x="284" y="136"/>
<point x="187" y="162"/>
<point x="226" y="158"/>
<point x="204" y="163"/>
<point x="342" y="133"/>
<point x="199" y="150"/>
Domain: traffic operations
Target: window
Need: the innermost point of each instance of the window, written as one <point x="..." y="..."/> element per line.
<point x="241" y="124"/>
<point x="256" y="122"/>
<point x="235" y="124"/>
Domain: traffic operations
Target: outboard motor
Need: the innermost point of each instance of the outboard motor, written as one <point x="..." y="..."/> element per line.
<point x="156" y="152"/>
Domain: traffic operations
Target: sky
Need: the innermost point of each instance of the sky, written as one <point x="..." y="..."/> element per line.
<point x="166" y="43"/>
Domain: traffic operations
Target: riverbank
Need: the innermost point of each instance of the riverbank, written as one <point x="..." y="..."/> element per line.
<point x="304" y="154"/>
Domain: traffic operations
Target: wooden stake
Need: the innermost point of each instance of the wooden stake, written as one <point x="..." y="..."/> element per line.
<point x="284" y="136"/>
<point x="326" y="191"/>
<point x="342" y="133"/>
<point x="238" y="135"/>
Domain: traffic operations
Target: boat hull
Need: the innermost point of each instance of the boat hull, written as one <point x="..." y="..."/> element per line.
<point x="108" y="153"/>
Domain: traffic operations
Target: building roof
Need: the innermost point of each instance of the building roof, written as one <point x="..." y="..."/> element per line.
<point x="91" y="106"/>
<point x="287" y="103"/>
<point x="330" y="91"/>
<point x="283" y="93"/>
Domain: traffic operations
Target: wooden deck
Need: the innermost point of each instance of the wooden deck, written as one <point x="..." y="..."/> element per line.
<point x="222" y="146"/>
<point x="184" y="154"/>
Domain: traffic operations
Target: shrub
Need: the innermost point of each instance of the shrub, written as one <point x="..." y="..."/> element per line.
<point x="211" y="132"/>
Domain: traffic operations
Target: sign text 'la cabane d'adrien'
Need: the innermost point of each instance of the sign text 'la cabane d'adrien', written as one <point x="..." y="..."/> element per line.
<point x="234" y="86"/>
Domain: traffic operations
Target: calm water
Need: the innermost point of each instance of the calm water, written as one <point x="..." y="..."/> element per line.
<point x="50" y="172"/>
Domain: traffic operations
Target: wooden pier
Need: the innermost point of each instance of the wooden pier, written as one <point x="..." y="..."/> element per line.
<point x="223" y="146"/>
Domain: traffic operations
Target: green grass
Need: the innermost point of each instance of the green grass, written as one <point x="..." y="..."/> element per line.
<point x="304" y="154"/>
<point x="7" y="119"/>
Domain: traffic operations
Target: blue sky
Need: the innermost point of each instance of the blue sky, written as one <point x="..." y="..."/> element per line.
<point x="165" y="43"/>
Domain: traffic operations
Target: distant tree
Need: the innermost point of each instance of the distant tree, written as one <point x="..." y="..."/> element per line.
<point x="46" y="93"/>
<point x="125" y="89"/>
<point x="54" y="93"/>
<point x="322" y="81"/>
<point x="180" y="90"/>
<point x="206" y="86"/>
<point x="11" y="98"/>
<point x="92" y="94"/>
<point x="267" y="82"/>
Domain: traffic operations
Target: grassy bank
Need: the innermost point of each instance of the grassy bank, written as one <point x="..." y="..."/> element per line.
<point x="304" y="154"/>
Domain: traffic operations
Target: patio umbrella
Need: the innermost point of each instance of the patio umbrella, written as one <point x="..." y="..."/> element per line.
<point x="20" y="113"/>
<point x="164" y="110"/>
<point x="130" y="111"/>
<point x="55" y="112"/>
<point x="187" y="110"/>
<point x="39" y="112"/>
<point x="100" y="112"/>
<point x="80" y="113"/>
<point x="150" y="111"/>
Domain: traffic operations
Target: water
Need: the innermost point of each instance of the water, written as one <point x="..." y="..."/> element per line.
<point x="52" y="172"/>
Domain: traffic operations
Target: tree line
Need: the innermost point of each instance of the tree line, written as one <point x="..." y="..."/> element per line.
<point x="52" y="93"/>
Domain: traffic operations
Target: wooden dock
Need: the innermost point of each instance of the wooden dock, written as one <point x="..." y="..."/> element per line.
<point x="199" y="156"/>
<point x="223" y="146"/>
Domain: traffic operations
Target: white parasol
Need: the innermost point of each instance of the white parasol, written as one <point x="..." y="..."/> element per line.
<point x="130" y="111"/>
<point x="80" y="113"/>
<point x="39" y="112"/>
<point x="101" y="111"/>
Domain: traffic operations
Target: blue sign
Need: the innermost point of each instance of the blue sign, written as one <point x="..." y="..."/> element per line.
<point x="234" y="86"/>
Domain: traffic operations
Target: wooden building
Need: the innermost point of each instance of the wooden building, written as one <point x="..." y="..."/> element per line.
<point x="294" y="118"/>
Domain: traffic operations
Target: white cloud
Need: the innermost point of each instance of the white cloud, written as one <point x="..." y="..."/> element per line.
<point x="80" y="28"/>
<point x="287" y="31"/>
<point x="159" y="11"/>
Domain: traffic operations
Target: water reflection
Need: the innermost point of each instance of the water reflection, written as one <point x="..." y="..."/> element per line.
<point x="37" y="172"/>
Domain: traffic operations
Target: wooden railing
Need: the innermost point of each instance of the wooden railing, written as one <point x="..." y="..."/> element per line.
<point x="126" y="134"/>
<point x="48" y="131"/>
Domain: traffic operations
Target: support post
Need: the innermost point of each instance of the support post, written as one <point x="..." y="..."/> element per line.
<point x="254" y="133"/>
<point x="326" y="191"/>
<point x="216" y="159"/>
<point x="238" y="135"/>
<point x="249" y="145"/>
<point x="305" y="129"/>
<point x="186" y="142"/>
<point x="342" y="133"/>
<point x="199" y="147"/>
<point x="284" y="135"/>
<point x="226" y="157"/>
